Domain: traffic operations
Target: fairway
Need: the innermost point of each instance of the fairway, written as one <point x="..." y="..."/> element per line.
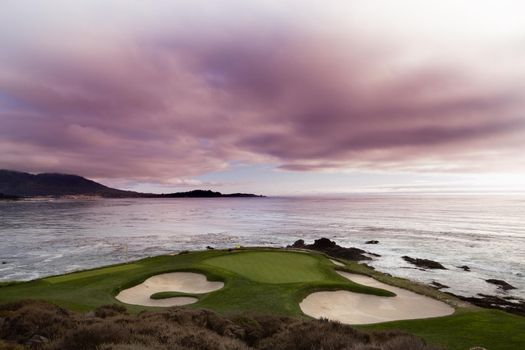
<point x="271" y="267"/>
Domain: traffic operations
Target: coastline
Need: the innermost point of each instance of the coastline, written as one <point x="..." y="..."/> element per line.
<point x="361" y="260"/>
<point x="251" y="288"/>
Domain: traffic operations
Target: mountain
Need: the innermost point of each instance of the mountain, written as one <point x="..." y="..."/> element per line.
<point x="14" y="184"/>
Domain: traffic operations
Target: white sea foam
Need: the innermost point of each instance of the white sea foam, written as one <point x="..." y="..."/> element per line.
<point x="485" y="233"/>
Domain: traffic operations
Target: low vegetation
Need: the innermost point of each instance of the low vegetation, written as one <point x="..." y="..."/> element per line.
<point x="30" y="324"/>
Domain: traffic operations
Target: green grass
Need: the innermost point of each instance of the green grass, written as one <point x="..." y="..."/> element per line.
<point x="90" y="273"/>
<point x="86" y="290"/>
<point x="270" y="281"/>
<point x="490" y="329"/>
<point x="167" y="295"/>
<point x="273" y="267"/>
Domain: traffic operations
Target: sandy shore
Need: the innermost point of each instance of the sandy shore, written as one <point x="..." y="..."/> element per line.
<point x="186" y="282"/>
<point x="355" y="308"/>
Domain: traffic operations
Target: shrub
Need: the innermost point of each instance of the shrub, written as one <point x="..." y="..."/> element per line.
<point x="179" y="328"/>
<point x="105" y="311"/>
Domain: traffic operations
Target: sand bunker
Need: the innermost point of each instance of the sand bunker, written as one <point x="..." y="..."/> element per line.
<point x="186" y="282"/>
<point x="337" y="262"/>
<point x="356" y="308"/>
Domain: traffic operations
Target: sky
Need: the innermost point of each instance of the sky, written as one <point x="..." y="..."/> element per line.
<point x="275" y="97"/>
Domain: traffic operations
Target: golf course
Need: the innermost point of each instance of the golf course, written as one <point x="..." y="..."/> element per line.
<point x="276" y="282"/>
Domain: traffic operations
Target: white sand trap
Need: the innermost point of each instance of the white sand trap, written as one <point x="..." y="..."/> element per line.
<point x="337" y="262"/>
<point x="186" y="282"/>
<point x="356" y="308"/>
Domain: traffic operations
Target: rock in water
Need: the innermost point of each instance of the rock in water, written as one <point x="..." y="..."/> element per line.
<point x="331" y="248"/>
<point x="323" y="243"/>
<point x="424" y="263"/>
<point x="501" y="284"/>
<point x="438" y="285"/>
<point x="298" y="244"/>
<point x="372" y="242"/>
<point x="514" y="305"/>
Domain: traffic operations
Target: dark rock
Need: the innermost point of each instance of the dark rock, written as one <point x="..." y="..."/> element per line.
<point x="331" y="248"/>
<point x="517" y="306"/>
<point x="323" y="243"/>
<point x="4" y="262"/>
<point x="298" y="244"/>
<point x="372" y="242"/>
<point x="465" y="268"/>
<point x="210" y="248"/>
<point x="370" y="267"/>
<point x="438" y="285"/>
<point x="424" y="263"/>
<point x="373" y="254"/>
<point x="501" y="284"/>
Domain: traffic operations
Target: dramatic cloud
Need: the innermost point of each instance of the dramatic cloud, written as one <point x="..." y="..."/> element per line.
<point x="136" y="99"/>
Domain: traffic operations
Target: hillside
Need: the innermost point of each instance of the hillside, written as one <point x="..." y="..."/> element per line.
<point x="14" y="183"/>
<point x="19" y="184"/>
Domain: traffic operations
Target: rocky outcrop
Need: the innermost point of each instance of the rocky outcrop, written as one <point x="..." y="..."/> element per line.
<point x="438" y="285"/>
<point x="509" y="304"/>
<point x="501" y="284"/>
<point x="331" y="248"/>
<point x="424" y="263"/>
<point x="372" y="242"/>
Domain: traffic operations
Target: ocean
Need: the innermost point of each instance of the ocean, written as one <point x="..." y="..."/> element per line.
<point x="485" y="232"/>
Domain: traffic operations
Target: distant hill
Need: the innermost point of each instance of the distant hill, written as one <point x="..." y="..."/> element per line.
<point x="205" y="194"/>
<point x="6" y="197"/>
<point x="14" y="184"/>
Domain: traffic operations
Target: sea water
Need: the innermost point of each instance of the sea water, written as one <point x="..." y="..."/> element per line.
<point x="485" y="232"/>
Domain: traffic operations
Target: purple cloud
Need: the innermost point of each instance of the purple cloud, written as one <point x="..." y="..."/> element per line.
<point x="168" y="105"/>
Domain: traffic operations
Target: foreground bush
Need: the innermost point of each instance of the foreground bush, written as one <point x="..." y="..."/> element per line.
<point x="38" y="325"/>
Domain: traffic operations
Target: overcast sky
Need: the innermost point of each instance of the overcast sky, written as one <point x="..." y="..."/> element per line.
<point x="275" y="97"/>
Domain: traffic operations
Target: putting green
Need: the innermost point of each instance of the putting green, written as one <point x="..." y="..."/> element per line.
<point x="272" y="267"/>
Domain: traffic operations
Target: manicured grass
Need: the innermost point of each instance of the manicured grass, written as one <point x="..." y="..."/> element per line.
<point x="167" y="295"/>
<point x="90" y="273"/>
<point x="273" y="267"/>
<point x="270" y="282"/>
<point x="86" y="290"/>
<point x="490" y="329"/>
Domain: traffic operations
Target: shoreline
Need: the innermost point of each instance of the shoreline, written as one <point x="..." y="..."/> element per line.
<point x="265" y="281"/>
<point x="152" y="228"/>
<point x="514" y="305"/>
